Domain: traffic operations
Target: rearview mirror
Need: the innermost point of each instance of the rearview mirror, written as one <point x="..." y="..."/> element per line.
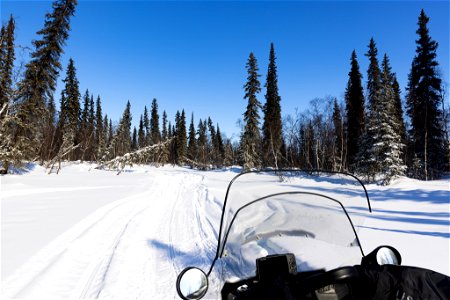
<point x="192" y="284"/>
<point x="383" y="255"/>
<point x="387" y="256"/>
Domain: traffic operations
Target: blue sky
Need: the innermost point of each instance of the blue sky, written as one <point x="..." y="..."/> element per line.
<point x="192" y="55"/>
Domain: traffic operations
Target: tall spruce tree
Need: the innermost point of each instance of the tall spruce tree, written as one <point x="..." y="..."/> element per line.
<point x="105" y="133"/>
<point x="369" y="152"/>
<point x="250" y="140"/>
<point x="10" y="146"/>
<point x="91" y="131"/>
<point x="141" y="133"/>
<point x="213" y="149"/>
<point x="110" y="131"/>
<point x="155" y="134"/>
<point x="72" y="107"/>
<point x="100" y="127"/>
<point x="41" y="73"/>
<point x="354" y="99"/>
<point x="181" y="138"/>
<point x="202" y="142"/>
<point x="169" y="130"/>
<point x="398" y="109"/>
<point x="192" y="141"/>
<point x="389" y="141"/>
<point x="220" y="148"/>
<point x="146" y="126"/>
<point x="427" y="134"/>
<point x="165" y="133"/>
<point x="121" y="141"/>
<point x="134" y="143"/>
<point x="7" y="56"/>
<point x="83" y="133"/>
<point x="272" y="125"/>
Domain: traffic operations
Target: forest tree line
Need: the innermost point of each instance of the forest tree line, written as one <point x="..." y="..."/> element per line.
<point x="372" y="132"/>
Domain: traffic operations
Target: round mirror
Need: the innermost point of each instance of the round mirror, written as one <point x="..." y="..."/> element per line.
<point x="386" y="256"/>
<point x="192" y="283"/>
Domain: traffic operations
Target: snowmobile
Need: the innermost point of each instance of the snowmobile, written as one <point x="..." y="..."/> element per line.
<point x="288" y="234"/>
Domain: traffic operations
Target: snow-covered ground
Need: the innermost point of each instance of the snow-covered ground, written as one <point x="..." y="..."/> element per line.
<point x="87" y="233"/>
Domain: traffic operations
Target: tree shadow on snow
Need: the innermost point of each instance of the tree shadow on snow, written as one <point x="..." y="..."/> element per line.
<point x="182" y="259"/>
<point x="27" y="168"/>
<point x="435" y="215"/>
<point x="410" y="220"/>
<point x="419" y="195"/>
<point x="427" y="233"/>
<point x="375" y="195"/>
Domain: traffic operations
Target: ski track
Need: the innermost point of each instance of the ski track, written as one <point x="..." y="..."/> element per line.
<point x="86" y="261"/>
<point x="81" y="248"/>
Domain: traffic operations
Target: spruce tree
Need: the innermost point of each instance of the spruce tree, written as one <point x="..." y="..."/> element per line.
<point x="354" y="100"/>
<point x="212" y="142"/>
<point x="250" y="140"/>
<point x="202" y="142"/>
<point x="146" y="126"/>
<point x="85" y="110"/>
<point x="181" y="138"/>
<point x="62" y="118"/>
<point x="141" y="133"/>
<point x="110" y="131"/>
<point x="389" y="141"/>
<point x="272" y="125"/>
<point x="398" y="110"/>
<point x="155" y="134"/>
<point x="169" y="130"/>
<point x="369" y="152"/>
<point x="100" y="127"/>
<point x="121" y="140"/>
<point x="72" y="107"/>
<point x="124" y="131"/>
<point x="165" y="134"/>
<point x="105" y="132"/>
<point x="164" y="158"/>
<point x="134" y="143"/>
<point x="91" y="131"/>
<point x="7" y="56"/>
<point x="83" y="132"/>
<point x="173" y="155"/>
<point x="39" y="79"/>
<point x="192" y="141"/>
<point x="427" y="134"/>
<point x="10" y="145"/>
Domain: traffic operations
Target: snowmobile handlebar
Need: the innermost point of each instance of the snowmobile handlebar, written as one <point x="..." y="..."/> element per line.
<point x="277" y="279"/>
<point x="379" y="276"/>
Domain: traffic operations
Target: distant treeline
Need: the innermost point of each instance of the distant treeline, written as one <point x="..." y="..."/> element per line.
<point x="366" y="134"/>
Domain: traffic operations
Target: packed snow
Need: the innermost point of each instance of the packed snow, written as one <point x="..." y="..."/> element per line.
<point x="89" y="233"/>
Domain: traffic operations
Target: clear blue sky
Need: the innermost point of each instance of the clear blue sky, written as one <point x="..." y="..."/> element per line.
<point x="192" y="55"/>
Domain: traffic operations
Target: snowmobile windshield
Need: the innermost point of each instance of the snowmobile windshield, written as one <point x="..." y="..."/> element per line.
<point x="290" y="212"/>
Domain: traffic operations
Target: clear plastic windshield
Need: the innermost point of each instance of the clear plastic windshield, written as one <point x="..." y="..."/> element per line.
<point x="290" y="212"/>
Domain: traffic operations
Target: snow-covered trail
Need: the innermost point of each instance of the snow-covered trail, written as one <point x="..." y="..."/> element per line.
<point x="131" y="248"/>
<point x="159" y="244"/>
